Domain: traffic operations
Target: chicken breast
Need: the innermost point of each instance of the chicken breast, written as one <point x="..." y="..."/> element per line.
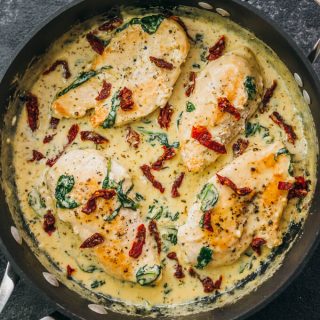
<point x="232" y="79"/>
<point x="236" y="220"/>
<point x="72" y="181"/>
<point x="134" y="59"/>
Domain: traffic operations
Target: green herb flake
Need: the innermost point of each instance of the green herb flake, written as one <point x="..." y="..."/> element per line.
<point x="166" y="289"/>
<point x="299" y="205"/>
<point x="250" y="86"/>
<point x="161" y="137"/>
<point x="190" y="107"/>
<point x="146" y="121"/>
<point x="179" y="118"/>
<point x="201" y="221"/>
<point x="172" y="216"/>
<point x="170" y="235"/>
<point x="139" y="197"/>
<point x="89" y="269"/>
<point x="246" y="265"/>
<point x="208" y="197"/>
<point x="105" y="42"/>
<point x="290" y="169"/>
<point x="36" y="202"/>
<point x="281" y="151"/>
<point x="111" y="118"/>
<point x="64" y="186"/>
<point x="154" y="213"/>
<point x="199" y="37"/>
<point x="203" y="56"/>
<point x="204" y="257"/>
<point x="252" y="128"/>
<point x="196" y="66"/>
<point x="111" y="216"/>
<point x="97" y="283"/>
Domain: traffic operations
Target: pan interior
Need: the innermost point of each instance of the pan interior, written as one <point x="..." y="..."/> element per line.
<point x="55" y="252"/>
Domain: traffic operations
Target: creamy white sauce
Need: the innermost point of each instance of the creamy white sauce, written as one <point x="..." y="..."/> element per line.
<point x="63" y="246"/>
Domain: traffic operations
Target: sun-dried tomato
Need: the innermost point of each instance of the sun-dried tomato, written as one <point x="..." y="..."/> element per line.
<point x="96" y="138"/>
<point x="154" y="232"/>
<point x="32" y="106"/>
<point x="72" y="134"/>
<point x="133" y="138"/>
<point x="239" y="191"/>
<point x="256" y="245"/>
<point x="54" y="123"/>
<point x="192" y="272"/>
<point x="299" y="189"/>
<point x="168" y="153"/>
<point x="70" y="271"/>
<point x="126" y="101"/>
<point x="92" y="241"/>
<point x="164" y="117"/>
<point x="91" y="204"/>
<point x="52" y="161"/>
<point x="177" y="184"/>
<point x="48" y="138"/>
<point x="225" y="105"/>
<point x="36" y="156"/>
<point x="63" y="64"/>
<point x="138" y="243"/>
<point x="182" y="24"/>
<point x="111" y="24"/>
<point x="105" y="91"/>
<point x="160" y="63"/>
<point x="218" y="282"/>
<point x="208" y="284"/>
<point x="217" y="49"/>
<point x="96" y="43"/>
<point x="285" y="185"/>
<point x="49" y="223"/>
<point x="204" y="137"/>
<point x="207" y="221"/>
<point x="147" y="173"/>
<point x="267" y="96"/>
<point x="240" y="146"/>
<point x="179" y="274"/>
<point x="277" y="119"/>
<point x="190" y="86"/>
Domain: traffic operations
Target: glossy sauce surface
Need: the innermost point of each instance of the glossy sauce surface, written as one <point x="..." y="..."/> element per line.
<point x="63" y="245"/>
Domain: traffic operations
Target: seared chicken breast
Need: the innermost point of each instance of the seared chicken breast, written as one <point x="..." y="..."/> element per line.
<point x="227" y="93"/>
<point x="236" y="217"/>
<point x="145" y="65"/>
<point x="75" y="178"/>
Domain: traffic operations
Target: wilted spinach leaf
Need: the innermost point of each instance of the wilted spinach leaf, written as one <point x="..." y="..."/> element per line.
<point x="204" y="257"/>
<point x="64" y="186"/>
<point x="111" y="118"/>
<point x="250" y="86"/>
<point x="208" y="197"/>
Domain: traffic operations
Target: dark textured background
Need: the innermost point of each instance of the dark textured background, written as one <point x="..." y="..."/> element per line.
<point x="301" y="19"/>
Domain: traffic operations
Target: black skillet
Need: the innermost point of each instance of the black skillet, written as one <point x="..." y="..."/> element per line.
<point x="70" y="304"/>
